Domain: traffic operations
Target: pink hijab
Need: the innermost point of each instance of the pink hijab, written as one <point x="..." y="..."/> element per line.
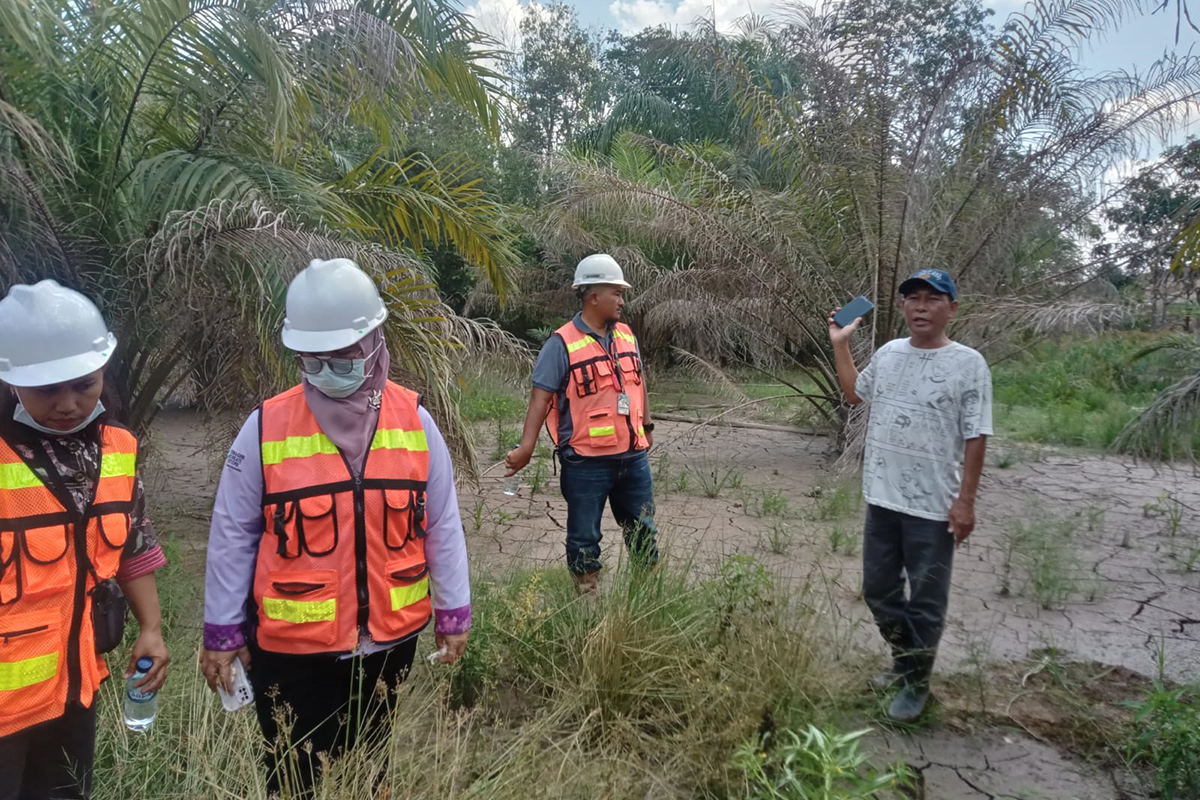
<point x="349" y="422"/>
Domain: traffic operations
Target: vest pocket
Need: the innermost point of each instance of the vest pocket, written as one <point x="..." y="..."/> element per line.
<point x="113" y="532"/>
<point x="404" y="605"/>
<point x="307" y="526"/>
<point x="601" y="428"/>
<point x="403" y="517"/>
<point x="45" y="571"/>
<point x="631" y="367"/>
<point x="408" y="582"/>
<point x="31" y="659"/>
<point x="299" y="604"/>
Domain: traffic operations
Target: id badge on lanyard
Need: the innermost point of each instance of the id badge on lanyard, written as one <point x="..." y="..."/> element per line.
<point x="623" y="404"/>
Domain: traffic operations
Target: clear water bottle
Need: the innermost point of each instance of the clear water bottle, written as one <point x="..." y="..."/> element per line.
<point x="140" y="707"/>
<point x="512" y="484"/>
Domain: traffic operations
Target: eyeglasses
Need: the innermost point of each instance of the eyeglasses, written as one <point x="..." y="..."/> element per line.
<point x="311" y="365"/>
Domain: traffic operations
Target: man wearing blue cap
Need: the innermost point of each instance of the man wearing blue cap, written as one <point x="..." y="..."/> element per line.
<point x="931" y="414"/>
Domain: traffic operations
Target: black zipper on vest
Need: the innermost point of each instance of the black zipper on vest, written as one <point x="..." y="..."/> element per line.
<point x="362" y="591"/>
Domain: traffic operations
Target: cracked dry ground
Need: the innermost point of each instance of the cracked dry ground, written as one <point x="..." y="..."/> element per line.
<point x="1114" y="607"/>
<point x="1119" y="593"/>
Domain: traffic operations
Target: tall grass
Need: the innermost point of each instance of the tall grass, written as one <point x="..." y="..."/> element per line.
<point x="1078" y="392"/>
<point x="650" y="689"/>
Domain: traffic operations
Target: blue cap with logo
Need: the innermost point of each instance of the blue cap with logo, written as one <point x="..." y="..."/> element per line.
<point x="936" y="279"/>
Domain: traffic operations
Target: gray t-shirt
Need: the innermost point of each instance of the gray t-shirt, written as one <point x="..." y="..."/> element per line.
<point x="550" y="374"/>
<point x="924" y="406"/>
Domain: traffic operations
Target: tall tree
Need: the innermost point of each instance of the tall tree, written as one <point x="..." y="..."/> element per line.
<point x="1162" y="199"/>
<point x="179" y="161"/>
<point x="557" y="79"/>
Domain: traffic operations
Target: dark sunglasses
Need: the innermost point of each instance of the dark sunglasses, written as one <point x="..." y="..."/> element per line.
<point x="311" y="365"/>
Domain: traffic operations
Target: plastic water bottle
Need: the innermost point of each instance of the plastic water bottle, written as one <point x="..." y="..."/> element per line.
<point x="140" y="707"/>
<point x="512" y="484"/>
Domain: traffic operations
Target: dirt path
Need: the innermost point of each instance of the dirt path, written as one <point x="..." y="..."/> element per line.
<point x="1104" y="572"/>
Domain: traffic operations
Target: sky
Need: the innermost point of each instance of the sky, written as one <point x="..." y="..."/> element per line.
<point x="1139" y="42"/>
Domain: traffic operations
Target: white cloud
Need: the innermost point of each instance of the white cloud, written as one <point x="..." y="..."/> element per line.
<point x="632" y="16"/>
<point x="500" y="18"/>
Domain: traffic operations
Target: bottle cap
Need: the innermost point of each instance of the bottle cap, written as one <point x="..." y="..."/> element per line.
<point x="145" y="664"/>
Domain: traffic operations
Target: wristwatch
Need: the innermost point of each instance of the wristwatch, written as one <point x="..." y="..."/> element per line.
<point x="648" y="427"/>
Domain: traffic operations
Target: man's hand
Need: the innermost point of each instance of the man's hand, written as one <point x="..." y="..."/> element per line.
<point x="217" y="665"/>
<point x="838" y="334"/>
<point x="149" y="644"/>
<point x="455" y="645"/>
<point x="962" y="520"/>
<point x="517" y="459"/>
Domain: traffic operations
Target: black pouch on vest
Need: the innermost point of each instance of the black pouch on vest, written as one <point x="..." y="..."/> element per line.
<point x="109" y="612"/>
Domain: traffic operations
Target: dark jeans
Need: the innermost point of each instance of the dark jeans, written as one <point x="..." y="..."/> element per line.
<point x="51" y="761"/>
<point x="326" y="705"/>
<point x="627" y="485"/>
<point x="896" y="546"/>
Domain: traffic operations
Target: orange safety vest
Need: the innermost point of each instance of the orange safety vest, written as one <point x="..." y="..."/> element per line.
<point x="50" y="561"/>
<point x="342" y="554"/>
<point x="594" y="385"/>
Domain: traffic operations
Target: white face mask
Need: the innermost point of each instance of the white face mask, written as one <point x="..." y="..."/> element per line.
<point x="22" y="416"/>
<point x="330" y="384"/>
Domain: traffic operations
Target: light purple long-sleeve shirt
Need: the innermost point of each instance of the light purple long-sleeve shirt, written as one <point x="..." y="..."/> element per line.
<point x="237" y="528"/>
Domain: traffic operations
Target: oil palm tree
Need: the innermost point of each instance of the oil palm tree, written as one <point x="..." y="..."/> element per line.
<point x="179" y="160"/>
<point x="883" y="149"/>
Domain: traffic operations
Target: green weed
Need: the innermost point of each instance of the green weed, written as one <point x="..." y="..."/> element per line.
<point x="836" y="501"/>
<point x="779" y="537"/>
<point x="1168" y="739"/>
<point x="1040" y="560"/>
<point x="818" y="764"/>
<point x="844" y="541"/>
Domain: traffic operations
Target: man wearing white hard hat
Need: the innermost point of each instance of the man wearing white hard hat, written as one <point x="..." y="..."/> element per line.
<point x="76" y="546"/>
<point x="589" y="387"/>
<point x="335" y="536"/>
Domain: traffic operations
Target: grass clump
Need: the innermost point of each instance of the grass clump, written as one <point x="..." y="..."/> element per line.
<point x="1040" y="561"/>
<point x="653" y="685"/>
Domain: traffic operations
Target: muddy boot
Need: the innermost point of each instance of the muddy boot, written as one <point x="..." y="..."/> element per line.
<point x="587" y="583"/>
<point x="910" y="702"/>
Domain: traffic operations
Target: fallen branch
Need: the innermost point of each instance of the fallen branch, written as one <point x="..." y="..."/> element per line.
<point x="758" y="426"/>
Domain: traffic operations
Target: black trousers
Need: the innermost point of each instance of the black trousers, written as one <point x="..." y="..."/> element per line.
<point x="308" y="705"/>
<point x="898" y="549"/>
<point x="51" y="761"/>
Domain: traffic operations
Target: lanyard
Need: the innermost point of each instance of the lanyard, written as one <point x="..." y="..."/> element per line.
<point x="614" y="361"/>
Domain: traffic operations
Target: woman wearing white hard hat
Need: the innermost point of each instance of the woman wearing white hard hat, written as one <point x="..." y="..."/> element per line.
<point x="335" y="521"/>
<point x="74" y="538"/>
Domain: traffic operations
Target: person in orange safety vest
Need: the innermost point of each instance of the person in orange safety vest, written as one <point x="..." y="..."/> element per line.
<point x="589" y="387"/>
<point x="335" y="537"/>
<point x="76" y="547"/>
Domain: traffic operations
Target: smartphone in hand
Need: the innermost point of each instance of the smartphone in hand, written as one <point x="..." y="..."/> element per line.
<point x="858" y="307"/>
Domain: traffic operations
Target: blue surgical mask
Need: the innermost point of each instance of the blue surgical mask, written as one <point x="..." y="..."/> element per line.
<point x="337" y="386"/>
<point x="22" y="416"/>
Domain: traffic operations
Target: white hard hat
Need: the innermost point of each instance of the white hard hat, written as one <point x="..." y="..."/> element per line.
<point x="331" y="305"/>
<point x="597" y="269"/>
<point x="50" y="334"/>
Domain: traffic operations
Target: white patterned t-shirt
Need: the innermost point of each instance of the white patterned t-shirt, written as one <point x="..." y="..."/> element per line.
<point x="924" y="406"/>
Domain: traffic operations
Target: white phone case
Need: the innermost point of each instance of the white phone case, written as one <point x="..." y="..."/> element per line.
<point x="242" y="695"/>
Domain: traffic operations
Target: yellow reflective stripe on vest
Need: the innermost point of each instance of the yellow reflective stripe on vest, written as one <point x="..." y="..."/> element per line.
<point x="397" y="439"/>
<point x="18" y="476"/>
<point x="606" y="431"/>
<point x="20" y="674"/>
<point x="579" y="344"/>
<point x="299" y="611"/>
<point x="118" y="465"/>
<point x="297" y="447"/>
<point x="404" y="596"/>
<point x="319" y="444"/>
<point x="629" y="337"/>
